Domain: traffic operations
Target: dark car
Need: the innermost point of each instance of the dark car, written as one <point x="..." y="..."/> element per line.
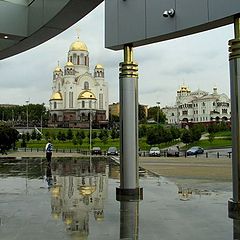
<point x="195" y="150"/>
<point x="112" y="151"/>
<point x="173" y="151"/>
<point x="96" y="151"/>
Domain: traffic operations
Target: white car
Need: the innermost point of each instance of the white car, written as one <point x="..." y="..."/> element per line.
<point x="154" y="151"/>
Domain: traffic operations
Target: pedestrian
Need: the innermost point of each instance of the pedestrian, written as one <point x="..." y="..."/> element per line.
<point x="49" y="149"/>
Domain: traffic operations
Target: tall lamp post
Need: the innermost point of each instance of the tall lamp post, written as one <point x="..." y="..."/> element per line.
<point x="158" y="104"/>
<point x="27" y="102"/>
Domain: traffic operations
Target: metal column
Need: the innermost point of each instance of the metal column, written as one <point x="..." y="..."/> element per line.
<point x="234" y="64"/>
<point x="128" y="78"/>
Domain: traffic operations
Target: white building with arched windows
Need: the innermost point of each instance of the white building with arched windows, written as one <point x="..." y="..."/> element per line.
<point x="198" y="107"/>
<point x="78" y="94"/>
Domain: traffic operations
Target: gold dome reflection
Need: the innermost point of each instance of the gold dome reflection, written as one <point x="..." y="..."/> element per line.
<point x="79" y="236"/>
<point x="56" y="216"/>
<point x="87" y="190"/>
<point x="56" y="190"/>
<point x="68" y="221"/>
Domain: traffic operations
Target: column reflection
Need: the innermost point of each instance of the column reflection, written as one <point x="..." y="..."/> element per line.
<point x="236" y="229"/>
<point x="129" y="219"/>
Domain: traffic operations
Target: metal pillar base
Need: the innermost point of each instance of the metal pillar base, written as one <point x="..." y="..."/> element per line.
<point x="129" y="194"/>
<point x="233" y="209"/>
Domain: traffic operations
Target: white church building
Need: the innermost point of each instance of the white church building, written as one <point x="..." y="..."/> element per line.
<point x="77" y="94"/>
<point x="198" y="107"/>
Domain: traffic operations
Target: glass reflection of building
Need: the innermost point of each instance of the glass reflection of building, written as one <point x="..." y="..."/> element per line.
<point x="78" y="190"/>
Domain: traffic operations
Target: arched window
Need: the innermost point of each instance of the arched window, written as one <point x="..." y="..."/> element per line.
<point x="74" y="58"/>
<point x="86" y="85"/>
<point x="83" y="104"/>
<point x="78" y="60"/>
<point x="54" y="105"/>
<point x="90" y="104"/>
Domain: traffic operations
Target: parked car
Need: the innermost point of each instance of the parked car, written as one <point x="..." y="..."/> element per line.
<point x="112" y="151"/>
<point x="96" y="151"/>
<point x="154" y="151"/>
<point x="195" y="150"/>
<point x="173" y="151"/>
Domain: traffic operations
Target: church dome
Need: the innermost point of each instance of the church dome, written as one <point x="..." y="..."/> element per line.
<point x="56" y="96"/>
<point x="98" y="66"/>
<point x="57" y="69"/>
<point x="78" y="46"/>
<point x="86" y="95"/>
<point x="69" y="64"/>
<point x="183" y="89"/>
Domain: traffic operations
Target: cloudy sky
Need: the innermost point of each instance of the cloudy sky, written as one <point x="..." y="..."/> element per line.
<point x="198" y="61"/>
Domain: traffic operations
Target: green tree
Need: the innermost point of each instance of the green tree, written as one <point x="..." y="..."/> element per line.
<point x="8" y="138"/>
<point x="186" y="136"/>
<point x="142" y="131"/>
<point x="156" y="114"/>
<point x="211" y="137"/>
<point x="34" y="135"/>
<point x="141" y="113"/>
<point x="195" y="133"/>
<point x="69" y="134"/>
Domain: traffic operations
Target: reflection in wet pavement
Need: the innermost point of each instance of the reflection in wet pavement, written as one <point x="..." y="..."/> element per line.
<point x="75" y="199"/>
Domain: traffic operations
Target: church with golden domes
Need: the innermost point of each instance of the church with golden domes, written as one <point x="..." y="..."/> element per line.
<point x="77" y="94"/>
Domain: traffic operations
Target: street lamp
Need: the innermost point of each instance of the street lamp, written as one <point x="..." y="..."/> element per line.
<point x="27" y="101"/>
<point x="158" y="104"/>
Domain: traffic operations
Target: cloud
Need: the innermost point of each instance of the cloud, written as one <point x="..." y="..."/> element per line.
<point x="199" y="61"/>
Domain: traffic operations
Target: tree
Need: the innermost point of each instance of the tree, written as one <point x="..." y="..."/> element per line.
<point x="196" y="134"/>
<point x="69" y="134"/>
<point x="8" y="138"/>
<point x="186" y="136"/>
<point x="141" y="113"/>
<point x="211" y="137"/>
<point x="156" y="114"/>
<point x="34" y="135"/>
<point x="142" y="131"/>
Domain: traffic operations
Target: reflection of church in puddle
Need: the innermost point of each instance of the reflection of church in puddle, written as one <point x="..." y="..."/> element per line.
<point x="78" y="191"/>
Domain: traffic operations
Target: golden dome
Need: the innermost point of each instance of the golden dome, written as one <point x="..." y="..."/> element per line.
<point x="98" y="66"/>
<point x="183" y="89"/>
<point x="56" y="96"/>
<point x="78" y="46"/>
<point x="86" y="95"/>
<point x="57" y="69"/>
<point x="69" y="64"/>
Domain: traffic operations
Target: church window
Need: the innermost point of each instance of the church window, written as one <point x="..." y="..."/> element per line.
<point x="172" y="114"/>
<point x="65" y="99"/>
<point x="203" y="111"/>
<point x="100" y="101"/>
<point x="90" y="104"/>
<point x="70" y="99"/>
<point x="86" y="85"/>
<point x="70" y="59"/>
<point x="213" y="103"/>
<point x="55" y="105"/>
<point x="203" y="104"/>
<point x="85" y="61"/>
<point x="81" y="59"/>
<point x="185" y="112"/>
<point x="83" y="104"/>
<point x="78" y="60"/>
<point x="74" y="58"/>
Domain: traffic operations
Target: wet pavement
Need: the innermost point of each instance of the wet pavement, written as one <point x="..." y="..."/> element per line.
<point x="74" y="198"/>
